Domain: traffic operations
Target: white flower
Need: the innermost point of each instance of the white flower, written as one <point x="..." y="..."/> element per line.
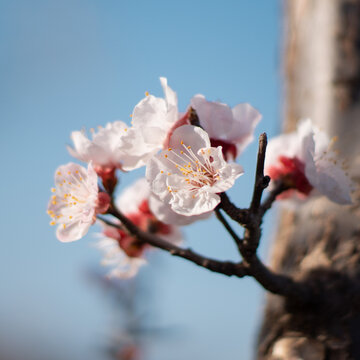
<point x="233" y="129"/>
<point x="124" y="252"/>
<point x="190" y="174"/>
<point x="105" y="149"/>
<point x="76" y="201"/>
<point x="305" y="161"/>
<point x="155" y="119"/>
<point x="152" y="119"/>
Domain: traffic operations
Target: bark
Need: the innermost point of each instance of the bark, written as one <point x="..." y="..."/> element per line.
<point x="320" y="242"/>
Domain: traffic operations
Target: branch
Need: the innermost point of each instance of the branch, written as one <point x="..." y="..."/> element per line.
<point x="277" y="284"/>
<point x="223" y="267"/>
<point x="241" y="216"/>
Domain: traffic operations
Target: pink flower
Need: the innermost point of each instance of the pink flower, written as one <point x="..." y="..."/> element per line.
<point x="190" y="174"/>
<point x="305" y="162"/>
<point x="233" y="129"/>
<point x="105" y="149"/>
<point x="124" y="252"/>
<point x="76" y="201"/>
<point x="155" y="119"/>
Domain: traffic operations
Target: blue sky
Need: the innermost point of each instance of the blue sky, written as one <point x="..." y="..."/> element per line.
<point x="71" y="64"/>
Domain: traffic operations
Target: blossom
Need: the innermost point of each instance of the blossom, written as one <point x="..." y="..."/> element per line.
<point x="155" y="119"/>
<point x="152" y="119"/>
<point x="305" y="161"/>
<point x="122" y="250"/>
<point x="75" y="201"/>
<point x="233" y="129"/>
<point x="105" y="150"/>
<point x="190" y="174"/>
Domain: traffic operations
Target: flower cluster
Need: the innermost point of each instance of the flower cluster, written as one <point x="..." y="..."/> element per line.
<point x="188" y="166"/>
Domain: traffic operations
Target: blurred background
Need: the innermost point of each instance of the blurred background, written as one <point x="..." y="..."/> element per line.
<point x="71" y="64"/>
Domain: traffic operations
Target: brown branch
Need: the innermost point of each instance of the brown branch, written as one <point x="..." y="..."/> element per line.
<point x="223" y="267"/>
<point x="277" y="284"/>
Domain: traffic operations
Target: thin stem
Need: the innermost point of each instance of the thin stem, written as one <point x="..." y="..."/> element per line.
<point x="110" y="223"/>
<point x="227" y="226"/>
<point x="279" y="188"/>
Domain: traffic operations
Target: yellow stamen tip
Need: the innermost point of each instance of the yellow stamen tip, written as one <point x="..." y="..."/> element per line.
<point x="53" y="189"/>
<point x="146" y="93"/>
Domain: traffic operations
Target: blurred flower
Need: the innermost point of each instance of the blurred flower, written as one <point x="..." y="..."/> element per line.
<point x="190" y="174"/>
<point x="305" y="161"/>
<point x="123" y="251"/>
<point x="76" y="201"/>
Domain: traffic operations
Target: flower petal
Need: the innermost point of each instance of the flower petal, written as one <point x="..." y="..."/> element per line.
<point x="164" y="213"/>
<point x="192" y="136"/>
<point x="187" y="204"/>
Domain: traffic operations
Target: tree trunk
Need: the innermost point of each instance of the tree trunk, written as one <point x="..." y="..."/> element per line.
<point x="319" y="241"/>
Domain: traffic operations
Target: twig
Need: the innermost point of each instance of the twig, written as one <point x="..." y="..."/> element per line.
<point x="261" y="181"/>
<point x="241" y="216"/>
<point x="227" y="226"/>
<point x="110" y="223"/>
<point x="277" y="284"/>
<point x="279" y="188"/>
<point x="223" y="267"/>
